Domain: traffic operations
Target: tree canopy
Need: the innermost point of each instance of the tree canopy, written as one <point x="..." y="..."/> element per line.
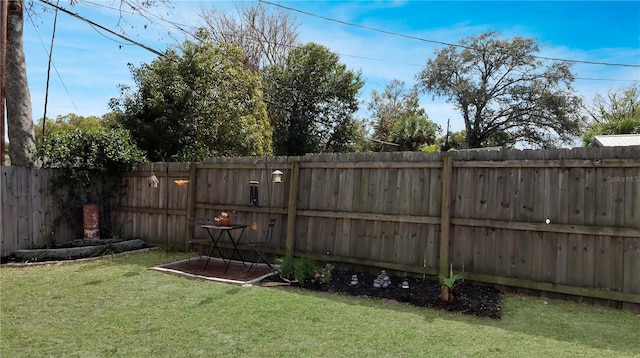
<point x="617" y="113"/>
<point x="398" y="118"/>
<point x="500" y="86"/>
<point x="312" y="98"/>
<point x="83" y="152"/>
<point x="67" y="123"/>
<point x="199" y="102"/>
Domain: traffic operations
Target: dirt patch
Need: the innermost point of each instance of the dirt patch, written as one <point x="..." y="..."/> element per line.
<point x="217" y="269"/>
<point x="469" y="299"/>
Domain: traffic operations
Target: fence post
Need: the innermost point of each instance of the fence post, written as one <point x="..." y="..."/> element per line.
<point x="291" y="209"/>
<point x="191" y="200"/>
<point x="445" y="215"/>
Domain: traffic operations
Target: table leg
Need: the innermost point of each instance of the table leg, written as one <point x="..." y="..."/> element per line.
<point x="235" y="249"/>
<point x="215" y="247"/>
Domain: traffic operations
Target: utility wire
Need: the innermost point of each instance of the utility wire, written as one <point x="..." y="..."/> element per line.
<point x="139" y="12"/>
<point x="104" y="28"/>
<point x="46" y="92"/>
<point x="52" y="63"/>
<point x="181" y="27"/>
<point x="431" y="41"/>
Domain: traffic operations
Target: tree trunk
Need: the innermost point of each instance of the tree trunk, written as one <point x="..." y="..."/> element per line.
<point x="446" y="295"/>
<point x="19" y="116"/>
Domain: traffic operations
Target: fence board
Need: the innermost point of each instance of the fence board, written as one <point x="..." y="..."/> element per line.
<point x="574" y="260"/>
<point x="513" y="203"/>
<point x="435" y="192"/>
<point x="346" y="179"/>
<point x="590" y="199"/>
<point x="523" y="251"/>
<point x="632" y="197"/>
<point x="481" y="191"/>
<point x="10" y="240"/>
<point x="617" y="264"/>
<point x="562" y="256"/>
<point x="631" y="268"/>
<point x="602" y="272"/>
<point x="402" y="186"/>
<point x="536" y="255"/>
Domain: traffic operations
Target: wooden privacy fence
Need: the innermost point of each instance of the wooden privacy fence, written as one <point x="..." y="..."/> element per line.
<point x="28" y="210"/>
<point x="564" y="221"/>
<point x="561" y="221"/>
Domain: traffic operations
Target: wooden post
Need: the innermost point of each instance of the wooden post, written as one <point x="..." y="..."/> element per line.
<point x="191" y="200"/>
<point x="445" y="215"/>
<point x="291" y="209"/>
<point x="3" y="73"/>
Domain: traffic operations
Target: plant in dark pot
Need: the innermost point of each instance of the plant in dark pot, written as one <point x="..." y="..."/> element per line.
<point x="89" y="164"/>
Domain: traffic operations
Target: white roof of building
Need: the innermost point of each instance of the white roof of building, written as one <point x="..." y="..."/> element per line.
<point x="615" y="140"/>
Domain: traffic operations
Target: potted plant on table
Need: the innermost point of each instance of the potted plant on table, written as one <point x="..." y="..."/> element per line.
<point x="224" y="219"/>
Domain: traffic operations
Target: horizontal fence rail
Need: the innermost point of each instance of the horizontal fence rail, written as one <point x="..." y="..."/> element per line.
<point x="560" y="221"/>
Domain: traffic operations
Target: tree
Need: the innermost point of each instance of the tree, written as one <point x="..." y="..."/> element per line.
<point x="311" y="99"/>
<point x="617" y="113"/>
<point x="500" y="86"/>
<point x="194" y="104"/>
<point x="67" y="123"/>
<point x="399" y="119"/>
<point x="19" y="116"/>
<point x="455" y="140"/>
<point x="265" y="37"/>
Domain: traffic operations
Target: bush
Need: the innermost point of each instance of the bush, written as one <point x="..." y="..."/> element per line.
<point x="304" y="269"/>
<point x="90" y="162"/>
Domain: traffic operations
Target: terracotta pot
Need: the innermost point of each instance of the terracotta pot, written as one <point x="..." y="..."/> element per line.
<point x="91" y="221"/>
<point x="225" y="221"/>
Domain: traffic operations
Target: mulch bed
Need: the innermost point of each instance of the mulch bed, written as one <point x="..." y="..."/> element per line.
<point x="469" y="299"/>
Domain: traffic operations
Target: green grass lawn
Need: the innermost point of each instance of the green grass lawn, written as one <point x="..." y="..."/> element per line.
<point x="118" y="307"/>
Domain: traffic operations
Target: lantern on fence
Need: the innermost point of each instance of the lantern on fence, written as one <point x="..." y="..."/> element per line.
<point x="253" y="193"/>
<point x="277" y="176"/>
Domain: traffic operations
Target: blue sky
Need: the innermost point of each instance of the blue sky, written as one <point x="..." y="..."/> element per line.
<point x="89" y="64"/>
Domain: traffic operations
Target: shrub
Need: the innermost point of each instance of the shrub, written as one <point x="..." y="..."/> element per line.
<point x="90" y="161"/>
<point x="303" y="269"/>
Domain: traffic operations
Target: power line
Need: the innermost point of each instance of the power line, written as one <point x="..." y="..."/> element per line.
<point x="104" y="28"/>
<point x="180" y="27"/>
<point x="139" y="11"/>
<point x="431" y="41"/>
<point x="46" y="92"/>
<point x="52" y="63"/>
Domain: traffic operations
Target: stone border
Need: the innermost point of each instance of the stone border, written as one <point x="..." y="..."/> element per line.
<point x="93" y="248"/>
<point x="61" y="262"/>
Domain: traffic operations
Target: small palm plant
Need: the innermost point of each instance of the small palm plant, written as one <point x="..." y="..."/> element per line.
<point x="448" y="283"/>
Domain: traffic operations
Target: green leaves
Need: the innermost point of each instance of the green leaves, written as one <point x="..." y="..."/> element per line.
<point x="398" y="118"/>
<point x="617" y="113"/>
<point x="312" y="98"/>
<point x="90" y="161"/>
<point x="194" y="104"/>
<point x="451" y="281"/>
<point x="93" y="149"/>
<point x="500" y="86"/>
